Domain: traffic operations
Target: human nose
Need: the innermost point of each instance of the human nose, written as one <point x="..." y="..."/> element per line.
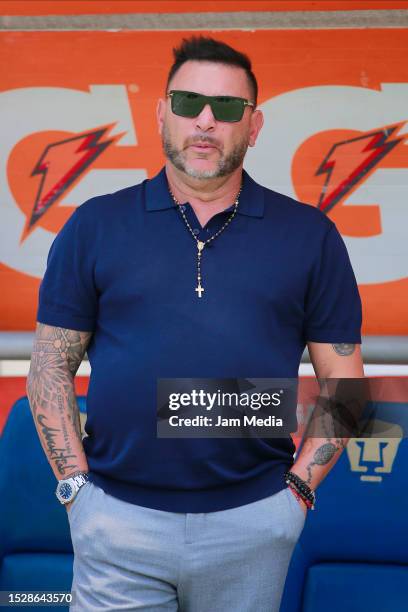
<point x="205" y="120"/>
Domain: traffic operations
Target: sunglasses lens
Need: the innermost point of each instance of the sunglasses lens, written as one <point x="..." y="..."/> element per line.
<point x="190" y="104"/>
<point x="187" y="104"/>
<point x="228" y="109"/>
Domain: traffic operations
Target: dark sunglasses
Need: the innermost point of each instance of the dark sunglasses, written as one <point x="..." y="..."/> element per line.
<point x="224" y="108"/>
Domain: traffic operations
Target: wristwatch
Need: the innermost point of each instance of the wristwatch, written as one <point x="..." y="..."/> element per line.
<point x="69" y="487"/>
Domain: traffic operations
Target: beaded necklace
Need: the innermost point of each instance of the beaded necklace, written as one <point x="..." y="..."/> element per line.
<point x="202" y="243"/>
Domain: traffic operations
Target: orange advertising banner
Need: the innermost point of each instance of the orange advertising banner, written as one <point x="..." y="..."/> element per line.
<point x="93" y="7"/>
<point x="77" y="113"/>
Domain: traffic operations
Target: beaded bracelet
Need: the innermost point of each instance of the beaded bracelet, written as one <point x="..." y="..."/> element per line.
<point x="307" y="503"/>
<point x="302" y="488"/>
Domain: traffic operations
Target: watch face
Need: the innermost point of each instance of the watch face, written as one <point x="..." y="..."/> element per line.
<point x="66" y="491"/>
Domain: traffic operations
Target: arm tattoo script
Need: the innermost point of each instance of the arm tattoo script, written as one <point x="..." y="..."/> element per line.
<point x="59" y="455"/>
<point x="344" y="349"/>
<point x="56" y="357"/>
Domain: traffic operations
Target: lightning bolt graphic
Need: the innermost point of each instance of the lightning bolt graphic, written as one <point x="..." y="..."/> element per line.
<point x="61" y="165"/>
<point x="349" y="162"/>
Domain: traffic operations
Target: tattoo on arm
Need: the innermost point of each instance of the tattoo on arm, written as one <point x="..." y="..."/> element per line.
<point x="325" y="423"/>
<point x="55" y="359"/>
<point x="59" y="455"/>
<point x="344" y="349"/>
<point x="323" y="455"/>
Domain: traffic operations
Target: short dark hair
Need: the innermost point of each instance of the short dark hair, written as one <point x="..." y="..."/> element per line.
<point x="202" y="48"/>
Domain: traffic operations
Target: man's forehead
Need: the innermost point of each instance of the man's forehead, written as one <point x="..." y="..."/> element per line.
<point x="211" y="78"/>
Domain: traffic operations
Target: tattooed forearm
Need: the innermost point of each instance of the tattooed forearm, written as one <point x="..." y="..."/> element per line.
<point x="344" y="349"/>
<point x="323" y="443"/>
<point x="59" y="455"/>
<point x="323" y="455"/>
<point x="56" y="357"/>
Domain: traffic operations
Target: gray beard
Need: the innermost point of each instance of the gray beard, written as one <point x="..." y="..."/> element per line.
<point x="225" y="165"/>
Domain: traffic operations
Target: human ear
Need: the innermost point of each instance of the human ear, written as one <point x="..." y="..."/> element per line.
<point x="160" y="113"/>
<point x="257" y="121"/>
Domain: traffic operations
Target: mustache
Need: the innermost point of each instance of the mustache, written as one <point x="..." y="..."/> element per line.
<point x="204" y="139"/>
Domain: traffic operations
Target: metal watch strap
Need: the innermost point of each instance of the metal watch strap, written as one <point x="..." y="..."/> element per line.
<point x="80" y="479"/>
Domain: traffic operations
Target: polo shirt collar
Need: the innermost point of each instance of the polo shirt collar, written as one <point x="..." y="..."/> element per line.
<point x="251" y="200"/>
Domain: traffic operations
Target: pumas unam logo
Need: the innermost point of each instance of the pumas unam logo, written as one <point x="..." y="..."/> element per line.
<point x="372" y="457"/>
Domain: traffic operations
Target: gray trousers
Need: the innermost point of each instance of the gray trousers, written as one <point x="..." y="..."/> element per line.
<point x="128" y="557"/>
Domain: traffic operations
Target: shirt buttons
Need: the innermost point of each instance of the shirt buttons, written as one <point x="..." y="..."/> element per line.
<point x="196" y="231"/>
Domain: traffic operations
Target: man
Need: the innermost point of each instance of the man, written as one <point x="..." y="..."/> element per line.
<point x="198" y="272"/>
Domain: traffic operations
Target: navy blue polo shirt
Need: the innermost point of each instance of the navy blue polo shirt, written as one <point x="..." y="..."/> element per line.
<point x="124" y="266"/>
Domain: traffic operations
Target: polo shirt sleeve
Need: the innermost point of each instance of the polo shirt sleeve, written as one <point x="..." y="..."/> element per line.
<point x="68" y="297"/>
<point x="333" y="311"/>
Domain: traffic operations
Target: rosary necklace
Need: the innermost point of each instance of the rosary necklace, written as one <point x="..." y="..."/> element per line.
<point x="200" y="243"/>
